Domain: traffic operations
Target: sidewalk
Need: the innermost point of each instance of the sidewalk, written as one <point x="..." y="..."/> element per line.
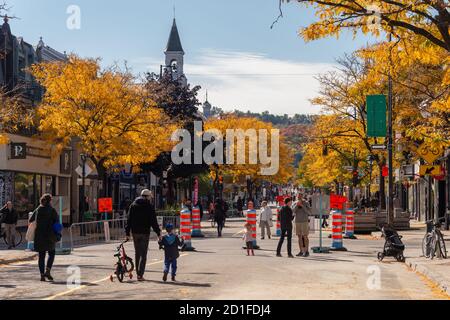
<point x="14" y="256"/>
<point x="437" y="270"/>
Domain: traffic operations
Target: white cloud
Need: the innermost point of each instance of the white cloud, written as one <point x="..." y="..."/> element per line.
<point x="252" y="81"/>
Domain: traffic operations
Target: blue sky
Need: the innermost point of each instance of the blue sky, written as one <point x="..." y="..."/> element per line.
<point x="230" y="48"/>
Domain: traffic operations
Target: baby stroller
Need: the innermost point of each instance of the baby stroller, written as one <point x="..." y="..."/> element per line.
<point x="124" y="264"/>
<point x="393" y="246"/>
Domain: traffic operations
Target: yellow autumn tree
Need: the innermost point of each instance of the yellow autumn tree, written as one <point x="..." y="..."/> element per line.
<point x="240" y="171"/>
<point x="429" y="20"/>
<point x="112" y="117"/>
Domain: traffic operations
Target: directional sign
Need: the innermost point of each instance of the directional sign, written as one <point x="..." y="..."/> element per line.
<point x="430" y="170"/>
<point x="429" y="154"/>
<point x="87" y="170"/>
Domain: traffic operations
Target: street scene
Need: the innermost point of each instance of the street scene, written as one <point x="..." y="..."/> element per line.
<point x="206" y="151"/>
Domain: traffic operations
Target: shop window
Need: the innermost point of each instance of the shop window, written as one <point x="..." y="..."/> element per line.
<point x="24" y="193"/>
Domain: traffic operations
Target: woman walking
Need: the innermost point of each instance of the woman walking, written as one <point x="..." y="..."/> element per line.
<point x="45" y="238"/>
<point x="265" y="220"/>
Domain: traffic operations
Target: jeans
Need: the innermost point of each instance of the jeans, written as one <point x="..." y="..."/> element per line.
<point x="284" y="233"/>
<point x="170" y="263"/>
<point x="141" y="248"/>
<point x="10" y="230"/>
<point x="51" y="259"/>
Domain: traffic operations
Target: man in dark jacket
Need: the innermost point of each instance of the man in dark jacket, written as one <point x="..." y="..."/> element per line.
<point x="9" y="218"/>
<point x="141" y="217"/>
<point x="286" y="217"/>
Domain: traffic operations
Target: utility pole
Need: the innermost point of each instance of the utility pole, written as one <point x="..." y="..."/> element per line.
<point x="390" y="208"/>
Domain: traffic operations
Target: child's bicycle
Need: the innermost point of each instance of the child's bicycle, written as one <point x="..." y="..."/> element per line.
<point x="124" y="264"/>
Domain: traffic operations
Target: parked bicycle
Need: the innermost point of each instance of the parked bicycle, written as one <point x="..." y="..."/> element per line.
<point x="17" y="239"/>
<point x="433" y="243"/>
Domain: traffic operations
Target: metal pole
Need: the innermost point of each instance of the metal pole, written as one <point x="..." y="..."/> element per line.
<point x="390" y="209"/>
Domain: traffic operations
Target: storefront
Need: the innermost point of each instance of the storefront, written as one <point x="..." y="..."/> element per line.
<point x="28" y="170"/>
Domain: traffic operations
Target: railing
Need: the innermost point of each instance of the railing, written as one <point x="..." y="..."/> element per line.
<point x="95" y="232"/>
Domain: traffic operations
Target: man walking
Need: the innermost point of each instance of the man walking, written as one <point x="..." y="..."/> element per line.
<point x="142" y="217"/>
<point x="265" y="220"/>
<point x="9" y="218"/>
<point x="286" y="217"/>
<point x="302" y="213"/>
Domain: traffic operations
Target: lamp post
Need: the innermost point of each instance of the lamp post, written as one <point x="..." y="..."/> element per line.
<point x="83" y="158"/>
<point x="390" y="207"/>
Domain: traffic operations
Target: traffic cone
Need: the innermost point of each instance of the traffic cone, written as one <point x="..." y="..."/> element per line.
<point x="186" y="229"/>
<point x="278" y="231"/>
<point x="350" y="224"/>
<point x="337" y="244"/>
<point x="196" y="223"/>
<point x="251" y="219"/>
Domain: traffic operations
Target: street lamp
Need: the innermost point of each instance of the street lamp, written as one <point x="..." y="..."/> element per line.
<point x="83" y="158"/>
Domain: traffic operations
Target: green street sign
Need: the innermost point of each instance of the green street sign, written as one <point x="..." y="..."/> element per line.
<point x="376" y="115"/>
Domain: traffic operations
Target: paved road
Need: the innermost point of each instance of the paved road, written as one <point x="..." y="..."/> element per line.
<point x="221" y="270"/>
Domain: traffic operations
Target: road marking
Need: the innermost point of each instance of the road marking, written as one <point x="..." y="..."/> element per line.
<point x="98" y="281"/>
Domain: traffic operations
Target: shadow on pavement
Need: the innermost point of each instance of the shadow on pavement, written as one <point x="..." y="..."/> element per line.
<point x="182" y="284"/>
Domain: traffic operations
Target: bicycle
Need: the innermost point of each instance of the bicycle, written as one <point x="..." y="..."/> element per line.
<point x="124" y="264"/>
<point x="17" y="239"/>
<point x="433" y="243"/>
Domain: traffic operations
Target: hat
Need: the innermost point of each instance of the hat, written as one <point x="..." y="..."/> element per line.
<point x="169" y="226"/>
<point x="146" y="193"/>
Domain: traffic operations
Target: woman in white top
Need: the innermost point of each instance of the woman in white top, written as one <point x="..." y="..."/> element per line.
<point x="265" y="220"/>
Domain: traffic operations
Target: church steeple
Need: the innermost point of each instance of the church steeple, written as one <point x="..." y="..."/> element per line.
<point x="174" y="43"/>
<point x="175" y="55"/>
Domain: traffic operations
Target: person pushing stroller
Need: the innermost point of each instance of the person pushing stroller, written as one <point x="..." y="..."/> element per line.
<point x="171" y="244"/>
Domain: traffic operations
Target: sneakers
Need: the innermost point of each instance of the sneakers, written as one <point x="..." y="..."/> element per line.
<point x="140" y="279"/>
<point x="48" y="275"/>
<point x="279" y="255"/>
<point x="291" y="256"/>
<point x="165" y="277"/>
<point x="300" y="254"/>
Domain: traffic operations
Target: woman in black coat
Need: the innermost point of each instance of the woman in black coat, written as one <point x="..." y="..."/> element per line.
<point x="45" y="238"/>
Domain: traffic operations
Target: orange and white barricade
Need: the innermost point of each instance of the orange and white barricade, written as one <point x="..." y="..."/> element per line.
<point x="196" y="223"/>
<point x="251" y="219"/>
<point x="350" y="224"/>
<point x="186" y="229"/>
<point x="338" y="243"/>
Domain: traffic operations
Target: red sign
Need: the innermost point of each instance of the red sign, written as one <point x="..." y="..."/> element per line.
<point x="337" y="202"/>
<point x="105" y="205"/>
<point x="385" y="171"/>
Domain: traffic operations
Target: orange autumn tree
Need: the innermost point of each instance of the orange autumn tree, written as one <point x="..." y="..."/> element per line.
<point x="114" y="120"/>
<point x="241" y="171"/>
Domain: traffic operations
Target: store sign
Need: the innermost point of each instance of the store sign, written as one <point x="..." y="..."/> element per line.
<point x="65" y="165"/>
<point x="18" y="150"/>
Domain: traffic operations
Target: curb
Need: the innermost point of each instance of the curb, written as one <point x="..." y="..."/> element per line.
<point x="31" y="257"/>
<point x="434" y="277"/>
